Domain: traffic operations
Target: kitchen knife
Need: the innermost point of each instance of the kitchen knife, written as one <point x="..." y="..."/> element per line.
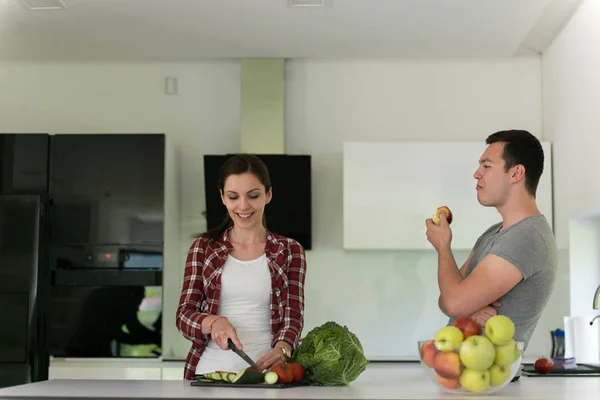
<point x="242" y="354"/>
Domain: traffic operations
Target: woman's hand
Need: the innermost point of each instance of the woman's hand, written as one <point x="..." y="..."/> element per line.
<point x="270" y="358"/>
<point x="222" y="330"/>
<point x="485" y="313"/>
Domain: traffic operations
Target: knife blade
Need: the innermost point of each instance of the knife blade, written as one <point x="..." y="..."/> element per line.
<point x="242" y="354"/>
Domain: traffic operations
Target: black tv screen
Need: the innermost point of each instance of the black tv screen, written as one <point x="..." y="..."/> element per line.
<point x="288" y="213"/>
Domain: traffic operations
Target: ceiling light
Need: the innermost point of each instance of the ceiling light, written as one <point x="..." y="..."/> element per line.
<point x="307" y="3"/>
<point x="44" y="4"/>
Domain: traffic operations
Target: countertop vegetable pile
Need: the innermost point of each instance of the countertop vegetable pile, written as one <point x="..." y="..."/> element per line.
<point x="331" y="355"/>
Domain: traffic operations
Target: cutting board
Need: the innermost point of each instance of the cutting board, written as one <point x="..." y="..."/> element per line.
<point x="249" y="385"/>
<point x="581" y="370"/>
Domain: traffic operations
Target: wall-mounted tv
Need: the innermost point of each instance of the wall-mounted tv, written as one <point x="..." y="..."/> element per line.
<point x="289" y="212"/>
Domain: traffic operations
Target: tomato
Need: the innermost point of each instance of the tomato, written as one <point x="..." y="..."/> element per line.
<point x="543" y="365"/>
<point x="298" y="371"/>
<point x="285" y="373"/>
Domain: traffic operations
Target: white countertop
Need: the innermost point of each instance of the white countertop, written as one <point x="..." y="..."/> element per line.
<point x="379" y="381"/>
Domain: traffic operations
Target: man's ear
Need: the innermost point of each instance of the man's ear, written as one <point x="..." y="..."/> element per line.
<point x="517" y="173"/>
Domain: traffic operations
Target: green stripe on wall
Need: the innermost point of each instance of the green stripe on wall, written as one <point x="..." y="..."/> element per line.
<point x="263" y="106"/>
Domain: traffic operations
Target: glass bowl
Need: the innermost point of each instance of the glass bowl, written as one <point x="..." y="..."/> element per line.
<point x="474" y="366"/>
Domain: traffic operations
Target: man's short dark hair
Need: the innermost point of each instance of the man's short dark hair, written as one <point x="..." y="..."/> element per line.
<point x="521" y="147"/>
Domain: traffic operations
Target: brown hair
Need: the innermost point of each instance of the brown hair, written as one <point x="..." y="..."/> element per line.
<point x="236" y="165"/>
<point x="521" y="147"/>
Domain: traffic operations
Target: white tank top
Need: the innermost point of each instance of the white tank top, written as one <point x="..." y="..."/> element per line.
<point x="245" y="300"/>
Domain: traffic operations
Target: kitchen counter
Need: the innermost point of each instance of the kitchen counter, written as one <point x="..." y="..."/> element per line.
<point x="379" y="381"/>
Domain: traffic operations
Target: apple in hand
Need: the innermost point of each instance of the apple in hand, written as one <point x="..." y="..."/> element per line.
<point x="436" y="218"/>
<point x="475" y="381"/>
<point x="468" y="326"/>
<point x="507" y="353"/>
<point x="448" y="338"/>
<point x="447" y="365"/>
<point x="499" y="329"/>
<point x="477" y="352"/>
<point x="428" y="353"/>
<point x="499" y="374"/>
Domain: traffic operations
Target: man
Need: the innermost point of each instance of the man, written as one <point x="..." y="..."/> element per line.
<point x="512" y="267"/>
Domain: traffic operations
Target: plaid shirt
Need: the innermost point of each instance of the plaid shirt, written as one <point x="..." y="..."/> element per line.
<point x="202" y="287"/>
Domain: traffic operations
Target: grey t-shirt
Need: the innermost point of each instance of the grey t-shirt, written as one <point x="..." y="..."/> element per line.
<point x="530" y="246"/>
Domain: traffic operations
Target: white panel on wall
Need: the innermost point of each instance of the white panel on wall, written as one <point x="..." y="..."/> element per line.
<point x="391" y="188"/>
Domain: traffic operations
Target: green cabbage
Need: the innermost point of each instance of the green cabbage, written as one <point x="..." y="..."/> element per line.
<point x="331" y="355"/>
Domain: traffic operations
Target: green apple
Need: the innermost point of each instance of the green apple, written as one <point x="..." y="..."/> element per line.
<point x="477" y="352"/>
<point x="499" y="329"/>
<point x="475" y="381"/>
<point x="507" y="353"/>
<point x="448" y="338"/>
<point x="499" y="374"/>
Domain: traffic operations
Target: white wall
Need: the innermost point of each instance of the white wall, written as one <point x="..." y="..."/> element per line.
<point x="388" y="298"/>
<point x="572" y="122"/>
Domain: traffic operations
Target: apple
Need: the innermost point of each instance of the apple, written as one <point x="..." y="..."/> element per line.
<point x="448" y="383"/>
<point x="507" y="353"/>
<point x="428" y="353"/>
<point x="447" y="365"/>
<point x="499" y="329"/>
<point x="448" y="338"/>
<point x="499" y="374"/>
<point x="543" y="365"/>
<point x="436" y="218"/>
<point x="468" y="326"/>
<point x="475" y="381"/>
<point x="477" y="352"/>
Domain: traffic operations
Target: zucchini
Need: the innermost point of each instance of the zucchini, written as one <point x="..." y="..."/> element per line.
<point x="271" y="377"/>
<point x="246" y="376"/>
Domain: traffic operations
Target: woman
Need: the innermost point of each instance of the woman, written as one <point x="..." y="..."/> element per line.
<point x="241" y="281"/>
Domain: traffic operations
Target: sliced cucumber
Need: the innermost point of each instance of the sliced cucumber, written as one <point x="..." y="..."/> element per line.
<point x="225" y="376"/>
<point x="271" y="377"/>
<point x="205" y="380"/>
<point x="215" y="376"/>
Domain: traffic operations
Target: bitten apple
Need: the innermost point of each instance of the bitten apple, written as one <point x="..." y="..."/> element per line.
<point x="447" y="365"/>
<point x="428" y="353"/>
<point x="436" y="218"/>
<point x="468" y="326"/>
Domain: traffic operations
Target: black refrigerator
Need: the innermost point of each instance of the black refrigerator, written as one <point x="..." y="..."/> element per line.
<point x="24" y="286"/>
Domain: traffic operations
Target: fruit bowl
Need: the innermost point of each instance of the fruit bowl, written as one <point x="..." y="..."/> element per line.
<point x="470" y="362"/>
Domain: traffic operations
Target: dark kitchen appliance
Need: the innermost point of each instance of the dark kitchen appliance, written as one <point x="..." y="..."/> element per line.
<point x="78" y="213"/>
<point x="24" y="289"/>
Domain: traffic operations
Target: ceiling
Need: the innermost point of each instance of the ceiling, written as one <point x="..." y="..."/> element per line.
<point x="186" y="30"/>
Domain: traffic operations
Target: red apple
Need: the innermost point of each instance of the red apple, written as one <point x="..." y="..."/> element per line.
<point x="428" y="353"/>
<point x="468" y="326"/>
<point x="543" y="365"/>
<point x="448" y="383"/>
<point x="447" y="365"/>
